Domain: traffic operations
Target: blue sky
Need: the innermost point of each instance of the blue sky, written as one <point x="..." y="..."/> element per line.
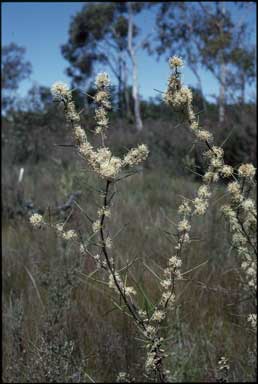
<point x="43" y="27"/>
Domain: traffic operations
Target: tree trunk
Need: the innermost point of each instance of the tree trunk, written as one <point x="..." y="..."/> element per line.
<point x="222" y="90"/>
<point x="204" y="105"/>
<point x="126" y="91"/>
<point x="120" y="93"/>
<point x="137" y="113"/>
<point x="135" y="93"/>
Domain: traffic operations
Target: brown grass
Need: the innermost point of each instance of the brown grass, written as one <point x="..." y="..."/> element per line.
<point x="49" y="302"/>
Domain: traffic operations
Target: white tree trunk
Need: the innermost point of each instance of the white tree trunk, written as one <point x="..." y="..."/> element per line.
<point x="126" y="91"/>
<point x="137" y="113"/>
<point x="222" y="91"/>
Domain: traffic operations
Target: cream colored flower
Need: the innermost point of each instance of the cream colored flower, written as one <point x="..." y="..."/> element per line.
<point x="104" y="211"/>
<point x="234" y="188"/>
<point x="36" y="220"/>
<point x="174" y="262"/>
<point x="200" y="205"/>
<point x="158" y="315"/>
<point x="210" y="177"/>
<point x="79" y="134"/>
<point x="108" y="242"/>
<point x="184" y="225"/>
<point x="226" y="171"/>
<point x="248" y="205"/>
<point x="166" y="284"/>
<point x="60" y="91"/>
<point x="176" y="62"/>
<point x="69" y="235"/>
<point x="204" y="135"/>
<point x="102" y="80"/>
<point x="246" y="170"/>
<point x="96" y="226"/>
<point x="215" y="152"/>
<point x="203" y="191"/>
<point x="136" y="155"/>
<point x="252" y="318"/>
<point x="129" y="291"/>
<point x="184" y="208"/>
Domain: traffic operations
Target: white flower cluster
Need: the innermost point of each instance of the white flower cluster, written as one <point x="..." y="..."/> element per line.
<point x="235" y="191"/>
<point x="96" y="226"/>
<point x="101" y="160"/>
<point x="184" y="208"/>
<point x="104" y="163"/>
<point x="61" y="91"/>
<point x="252" y="319"/>
<point x="176" y="61"/>
<point x="108" y="242"/>
<point x="201" y="203"/>
<point x="247" y="170"/>
<point x="178" y="98"/>
<point x="226" y="171"/>
<point x="104" y="212"/>
<point x="102" y="98"/>
<point x="102" y="80"/>
<point x="36" y="220"/>
<point x="136" y="155"/>
<point x="223" y="364"/>
<point x="184" y="226"/>
<point x="243" y="234"/>
<point x="243" y="238"/>
<point x="79" y="134"/>
<point x="66" y="235"/>
<point x="216" y="165"/>
<point x="204" y="135"/>
<point x="102" y="83"/>
<point x="158" y="315"/>
<point x="155" y="355"/>
<point x="173" y="95"/>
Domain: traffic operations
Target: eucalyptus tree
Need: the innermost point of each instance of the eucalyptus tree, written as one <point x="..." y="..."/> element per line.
<point x="107" y="34"/>
<point x="207" y="36"/>
<point x="14" y="69"/>
<point x="97" y="35"/>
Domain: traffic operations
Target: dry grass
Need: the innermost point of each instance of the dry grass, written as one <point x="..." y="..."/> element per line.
<point x="59" y="325"/>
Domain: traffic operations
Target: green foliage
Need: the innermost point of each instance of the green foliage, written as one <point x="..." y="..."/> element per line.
<point x="94" y="31"/>
<point x="205" y="34"/>
<point x="14" y="69"/>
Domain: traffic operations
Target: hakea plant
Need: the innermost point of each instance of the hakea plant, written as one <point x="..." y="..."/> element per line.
<point x="110" y="169"/>
<point x="240" y="213"/>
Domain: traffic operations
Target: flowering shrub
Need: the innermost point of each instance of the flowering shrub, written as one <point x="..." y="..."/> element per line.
<point x="240" y="212"/>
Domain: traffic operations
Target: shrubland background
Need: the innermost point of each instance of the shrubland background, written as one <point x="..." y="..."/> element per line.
<point x="58" y="324"/>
